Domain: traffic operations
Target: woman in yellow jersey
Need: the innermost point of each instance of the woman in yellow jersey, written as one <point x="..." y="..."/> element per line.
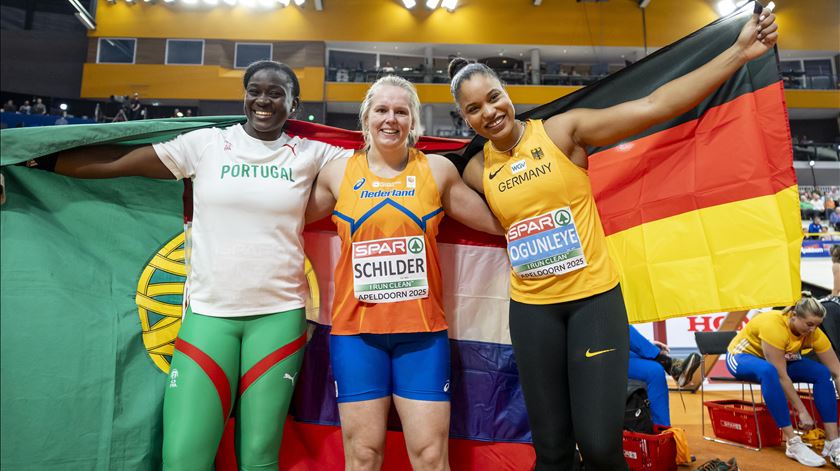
<point x="389" y="332"/>
<point x="769" y="350"/>
<point x="567" y="319"/>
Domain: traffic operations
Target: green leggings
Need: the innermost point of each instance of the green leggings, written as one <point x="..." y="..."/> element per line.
<point x="250" y="362"/>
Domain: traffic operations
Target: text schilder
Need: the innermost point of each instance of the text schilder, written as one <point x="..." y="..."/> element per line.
<point x="390" y="270"/>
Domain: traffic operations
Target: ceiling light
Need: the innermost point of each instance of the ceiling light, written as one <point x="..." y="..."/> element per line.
<point x="299" y="2"/>
<point x="449" y="4"/>
<point x="432" y="4"/>
<point x="285" y="3"/>
<point x="83" y="15"/>
<point x="409" y="4"/>
<point x="725" y="7"/>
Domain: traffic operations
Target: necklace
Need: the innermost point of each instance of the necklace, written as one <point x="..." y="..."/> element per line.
<point x="522" y="133"/>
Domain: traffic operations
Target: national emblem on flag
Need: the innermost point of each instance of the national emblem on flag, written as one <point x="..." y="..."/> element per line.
<point x="537" y="153"/>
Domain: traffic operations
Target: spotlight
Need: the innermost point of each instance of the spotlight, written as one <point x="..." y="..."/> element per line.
<point x="300" y="2"/>
<point x="311" y="117"/>
<point x="63" y="107"/>
<point x="432" y="4"/>
<point x="449" y="4"/>
<point x="409" y="4"/>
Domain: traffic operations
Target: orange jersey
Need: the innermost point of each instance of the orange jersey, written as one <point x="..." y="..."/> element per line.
<point x="556" y="243"/>
<point x="387" y="279"/>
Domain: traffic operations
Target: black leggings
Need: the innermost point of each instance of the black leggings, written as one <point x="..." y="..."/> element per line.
<point x="572" y="360"/>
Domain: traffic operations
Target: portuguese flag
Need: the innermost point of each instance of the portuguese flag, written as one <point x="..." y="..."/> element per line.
<point x="701" y="215"/>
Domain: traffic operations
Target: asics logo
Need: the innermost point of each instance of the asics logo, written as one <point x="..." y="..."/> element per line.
<point x="594" y="354"/>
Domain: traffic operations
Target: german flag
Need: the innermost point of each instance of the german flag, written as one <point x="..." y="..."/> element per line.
<point x="701" y="212"/>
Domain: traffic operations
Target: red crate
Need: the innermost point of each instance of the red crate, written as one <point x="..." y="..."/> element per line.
<point x="645" y="452"/>
<point x="733" y="420"/>
<point x="808" y="401"/>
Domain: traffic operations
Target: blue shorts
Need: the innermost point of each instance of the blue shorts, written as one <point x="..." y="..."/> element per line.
<point x="371" y="366"/>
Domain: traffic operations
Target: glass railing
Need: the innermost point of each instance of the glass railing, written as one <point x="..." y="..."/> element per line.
<point x="816" y="151"/>
<point x="792" y="80"/>
<point x="801" y="80"/>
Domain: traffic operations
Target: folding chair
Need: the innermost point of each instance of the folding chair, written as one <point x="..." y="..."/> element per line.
<point x="716" y="343"/>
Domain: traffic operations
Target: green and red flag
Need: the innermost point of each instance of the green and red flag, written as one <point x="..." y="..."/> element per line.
<point x="701" y="215"/>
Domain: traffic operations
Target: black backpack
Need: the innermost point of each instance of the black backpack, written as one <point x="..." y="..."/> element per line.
<point x="637" y="417"/>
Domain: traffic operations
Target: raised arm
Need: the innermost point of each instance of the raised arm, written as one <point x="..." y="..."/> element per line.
<point x="591" y="127"/>
<point x="459" y="201"/>
<point x="325" y="190"/>
<point x="111" y="161"/>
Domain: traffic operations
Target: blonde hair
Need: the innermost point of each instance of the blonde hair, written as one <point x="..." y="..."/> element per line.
<point x="413" y="106"/>
<point x="807" y="304"/>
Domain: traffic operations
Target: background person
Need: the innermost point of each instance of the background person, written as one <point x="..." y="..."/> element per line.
<point x="769" y="350"/>
<point x="649" y="362"/>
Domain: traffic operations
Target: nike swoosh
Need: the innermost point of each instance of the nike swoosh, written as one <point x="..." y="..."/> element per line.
<point x="592" y="354"/>
<point x="493" y="174"/>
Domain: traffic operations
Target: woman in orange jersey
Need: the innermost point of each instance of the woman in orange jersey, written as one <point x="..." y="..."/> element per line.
<point x="389" y="332"/>
<point x="568" y="325"/>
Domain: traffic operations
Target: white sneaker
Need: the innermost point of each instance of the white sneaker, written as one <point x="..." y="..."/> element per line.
<point x="831" y="450"/>
<point x="800" y="452"/>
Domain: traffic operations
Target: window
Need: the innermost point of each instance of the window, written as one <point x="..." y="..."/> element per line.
<point x="246" y="53"/>
<point x="116" y="51"/>
<point x="185" y="51"/>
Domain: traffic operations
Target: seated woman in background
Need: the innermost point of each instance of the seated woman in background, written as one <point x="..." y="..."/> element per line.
<point x="769" y="350"/>
<point x="649" y="361"/>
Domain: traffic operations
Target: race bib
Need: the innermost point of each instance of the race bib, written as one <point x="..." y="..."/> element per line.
<point x="390" y="270"/>
<point x="793" y="356"/>
<point x="545" y="245"/>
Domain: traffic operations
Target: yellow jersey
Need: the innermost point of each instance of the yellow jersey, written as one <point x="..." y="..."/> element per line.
<point x="388" y="279"/>
<point x="773" y="327"/>
<point x="556" y="243"/>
